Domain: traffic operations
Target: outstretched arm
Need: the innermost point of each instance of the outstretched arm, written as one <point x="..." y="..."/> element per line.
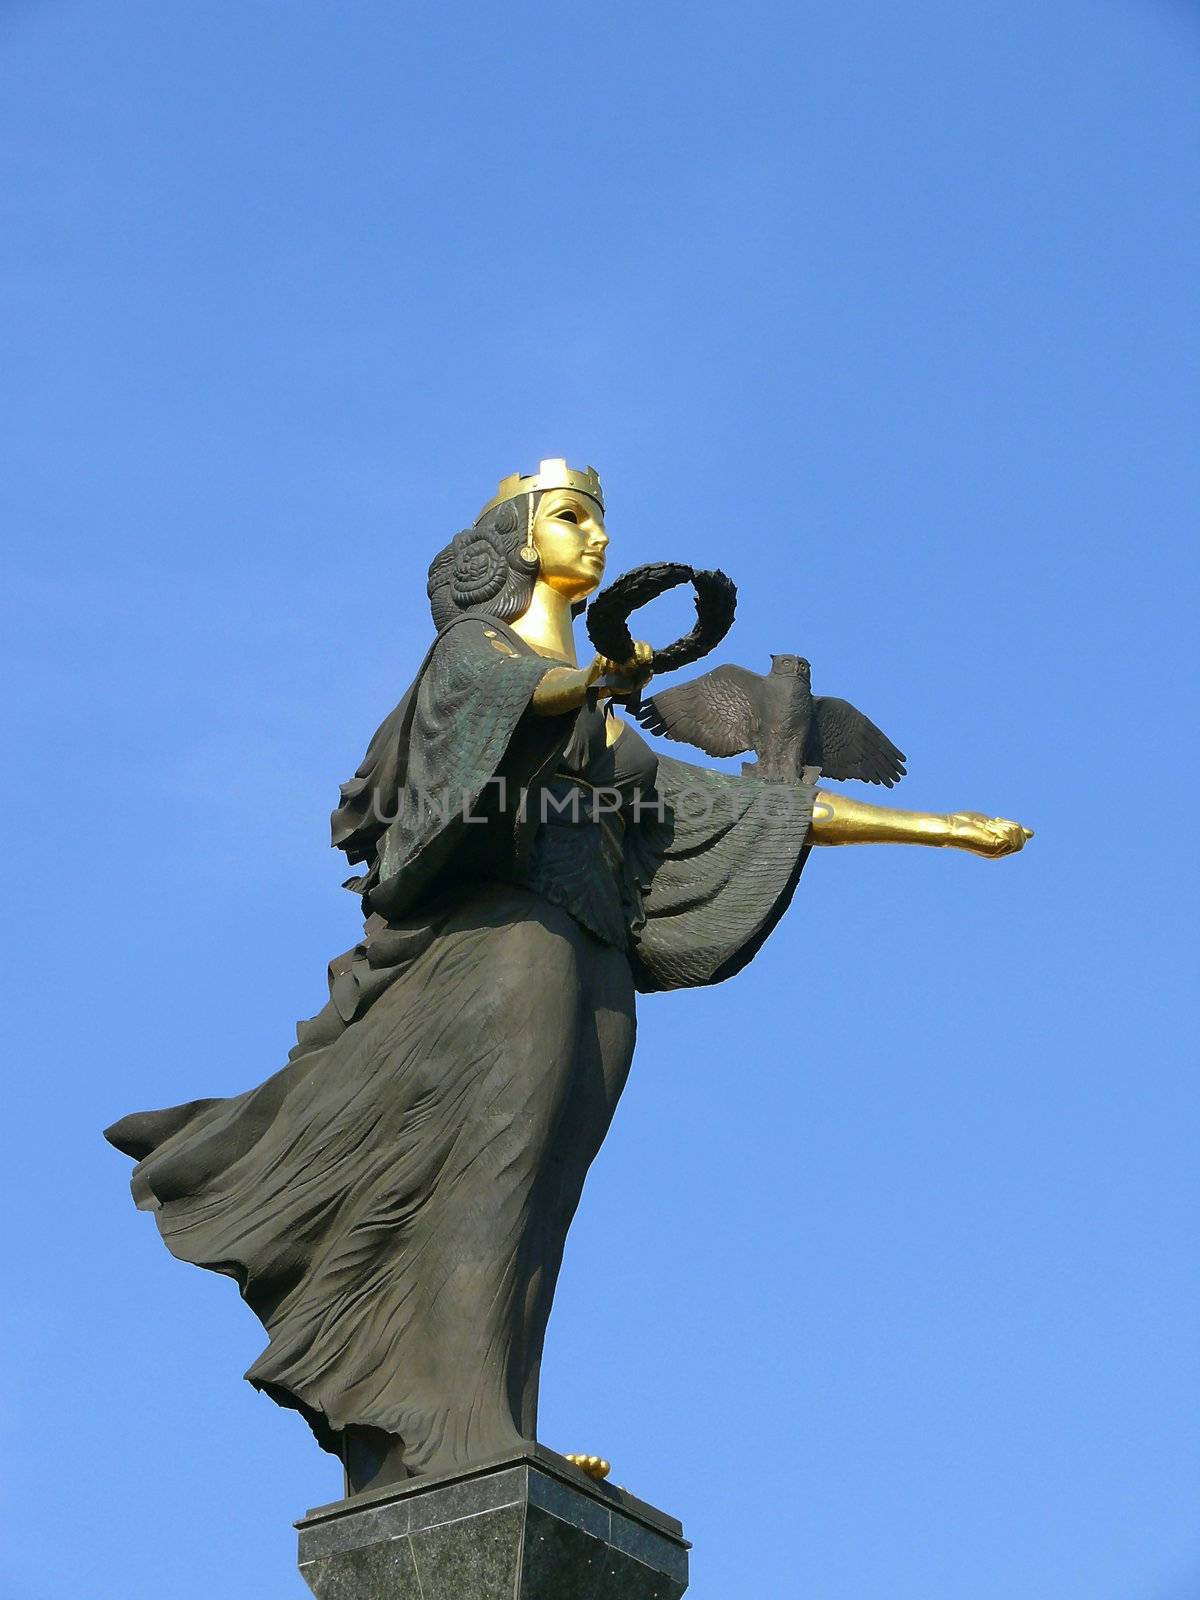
<point x="841" y="819"/>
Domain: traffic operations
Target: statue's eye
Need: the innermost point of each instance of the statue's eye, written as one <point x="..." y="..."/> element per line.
<point x="567" y="516"/>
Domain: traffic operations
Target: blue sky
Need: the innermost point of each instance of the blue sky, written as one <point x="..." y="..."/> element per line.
<point x="885" y="1281"/>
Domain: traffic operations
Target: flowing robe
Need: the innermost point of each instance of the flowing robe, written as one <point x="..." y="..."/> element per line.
<point x="393" y="1203"/>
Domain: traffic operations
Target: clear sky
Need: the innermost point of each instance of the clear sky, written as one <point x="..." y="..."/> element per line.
<point x="886" y="1280"/>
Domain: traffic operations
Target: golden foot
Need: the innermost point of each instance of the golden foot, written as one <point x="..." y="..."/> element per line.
<point x="594" y="1466"/>
<point x="987" y="836"/>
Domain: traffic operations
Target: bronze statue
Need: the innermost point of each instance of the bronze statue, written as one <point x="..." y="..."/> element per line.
<point x="393" y="1203"/>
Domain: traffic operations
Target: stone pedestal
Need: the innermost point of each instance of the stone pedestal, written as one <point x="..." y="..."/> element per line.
<point x="530" y="1527"/>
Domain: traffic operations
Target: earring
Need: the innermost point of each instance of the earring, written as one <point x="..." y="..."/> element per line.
<point x="529" y="553"/>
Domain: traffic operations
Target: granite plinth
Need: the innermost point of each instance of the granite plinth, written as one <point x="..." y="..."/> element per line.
<point x="530" y="1527"/>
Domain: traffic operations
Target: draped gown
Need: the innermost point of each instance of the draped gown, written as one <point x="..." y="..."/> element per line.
<point x="393" y="1203"/>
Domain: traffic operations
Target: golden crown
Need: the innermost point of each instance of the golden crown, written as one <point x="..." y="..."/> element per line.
<point x="553" y="474"/>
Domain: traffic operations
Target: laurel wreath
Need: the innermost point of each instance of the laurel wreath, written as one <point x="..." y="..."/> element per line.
<point x="608" y="615"/>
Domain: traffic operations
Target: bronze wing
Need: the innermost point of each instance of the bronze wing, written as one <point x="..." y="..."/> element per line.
<point x="720" y="713"/>
<point x="845" y="744"/>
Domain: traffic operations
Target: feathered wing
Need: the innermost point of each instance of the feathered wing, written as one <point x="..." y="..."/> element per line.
<point x="845" y="744"/>
<point x="718" y="713"/>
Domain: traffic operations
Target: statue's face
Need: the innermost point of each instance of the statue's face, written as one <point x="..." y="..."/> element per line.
<point x="569" y="537"/>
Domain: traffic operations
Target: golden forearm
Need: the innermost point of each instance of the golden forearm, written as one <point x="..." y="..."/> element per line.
<point x="841" y="819"/>
<point x="563" y="689"/>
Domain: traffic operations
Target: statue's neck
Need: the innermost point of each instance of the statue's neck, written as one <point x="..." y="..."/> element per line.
<point x="546" y="624"/>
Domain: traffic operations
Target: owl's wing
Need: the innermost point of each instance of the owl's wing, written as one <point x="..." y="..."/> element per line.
<point x="718" y="713"/>
<point x="845" y="744"/>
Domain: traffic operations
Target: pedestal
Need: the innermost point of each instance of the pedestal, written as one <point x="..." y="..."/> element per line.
<point x="530" y="1527"/>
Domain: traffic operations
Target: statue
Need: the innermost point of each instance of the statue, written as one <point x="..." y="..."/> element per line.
<point x="394" y="1202"/>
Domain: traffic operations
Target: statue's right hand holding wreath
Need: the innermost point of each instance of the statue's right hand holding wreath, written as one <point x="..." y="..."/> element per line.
<point x="622" y="680"/>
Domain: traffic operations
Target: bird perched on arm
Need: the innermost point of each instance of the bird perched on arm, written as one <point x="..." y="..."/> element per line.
<point x="731" y="709"/>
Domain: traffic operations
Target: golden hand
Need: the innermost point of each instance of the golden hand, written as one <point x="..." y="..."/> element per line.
<point x="624" y="678"/>
<point x="992" y="837"/>
<point x="595" y="1466"/>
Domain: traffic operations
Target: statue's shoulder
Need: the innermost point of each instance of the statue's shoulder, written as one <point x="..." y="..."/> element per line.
<point x="467" y="632"/>
<point x="477" y="640"/>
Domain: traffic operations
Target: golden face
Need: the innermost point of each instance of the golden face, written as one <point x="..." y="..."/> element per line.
<point x="569" y="537"/>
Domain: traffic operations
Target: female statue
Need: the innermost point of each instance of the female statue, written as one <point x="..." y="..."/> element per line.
<point x="394" y="1202"/>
